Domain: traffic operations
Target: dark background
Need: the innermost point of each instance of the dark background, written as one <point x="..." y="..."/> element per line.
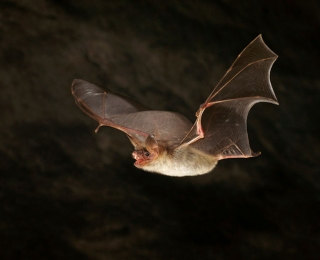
<point x="68" y="193"/>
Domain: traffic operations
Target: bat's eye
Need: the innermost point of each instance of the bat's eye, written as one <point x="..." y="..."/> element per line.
<point x="146" y="153"/>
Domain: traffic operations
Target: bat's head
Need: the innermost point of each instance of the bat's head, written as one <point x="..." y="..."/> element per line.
<point x="144" y="157"/>
<point x="147" y="153"/>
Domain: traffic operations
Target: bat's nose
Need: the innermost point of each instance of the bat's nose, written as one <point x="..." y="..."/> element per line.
<point x="135" y="155"/>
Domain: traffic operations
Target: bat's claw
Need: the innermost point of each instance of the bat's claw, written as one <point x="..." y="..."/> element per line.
<point x="255" y="154"/>
<point x="97" y="129"/>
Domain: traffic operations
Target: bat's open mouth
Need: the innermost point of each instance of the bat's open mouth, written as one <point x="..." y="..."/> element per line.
<point x="139" y="163"/>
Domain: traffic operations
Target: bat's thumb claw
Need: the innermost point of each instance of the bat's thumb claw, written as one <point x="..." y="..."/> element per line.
<point x="97" y="129"/>
<point x="255" y="154"/>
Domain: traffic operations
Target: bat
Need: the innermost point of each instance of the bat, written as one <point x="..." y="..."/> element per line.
<point x="167" y="142"/>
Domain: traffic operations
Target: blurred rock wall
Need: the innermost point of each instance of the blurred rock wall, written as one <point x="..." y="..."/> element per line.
<point x="68" y="193"/>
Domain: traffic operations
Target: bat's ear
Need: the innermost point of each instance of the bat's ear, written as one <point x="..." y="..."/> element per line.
<point x="151" y="144"/>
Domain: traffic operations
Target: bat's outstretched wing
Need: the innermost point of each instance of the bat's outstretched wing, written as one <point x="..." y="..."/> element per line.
<point x="221" y="126"/>
<point x="124" y="114"/>
<point x="101" y="104"/>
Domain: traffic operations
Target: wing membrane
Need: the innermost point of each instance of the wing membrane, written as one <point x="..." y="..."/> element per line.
<point x="221" y="126"/>
<point x="101" y="104"/>
<point x="124" y="114"/>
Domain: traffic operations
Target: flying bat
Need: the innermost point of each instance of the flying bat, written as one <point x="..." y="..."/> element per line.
<point x="167" y="142"/>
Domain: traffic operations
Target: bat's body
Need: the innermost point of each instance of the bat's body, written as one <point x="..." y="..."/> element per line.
<point x="184" y="160"/>
<point x="167" y="142"/>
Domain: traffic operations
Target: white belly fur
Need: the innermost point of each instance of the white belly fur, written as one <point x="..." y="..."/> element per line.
<point x="182" y="162"/>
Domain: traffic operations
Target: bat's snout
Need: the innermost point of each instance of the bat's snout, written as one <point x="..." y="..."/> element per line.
<point x="135" y="155"/>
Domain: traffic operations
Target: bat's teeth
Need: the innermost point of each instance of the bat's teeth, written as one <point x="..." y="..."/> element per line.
<point x="139" y="163"/>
